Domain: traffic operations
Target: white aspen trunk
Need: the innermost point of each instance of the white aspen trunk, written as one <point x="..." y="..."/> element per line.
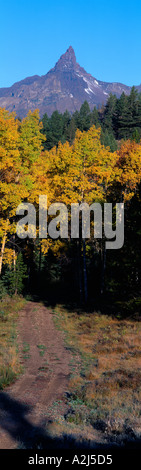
<point x="3" y="246"/>
<point x="14" y="255"/>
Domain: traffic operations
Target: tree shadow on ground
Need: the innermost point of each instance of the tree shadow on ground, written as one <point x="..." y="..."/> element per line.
<point x="15" y="422"/>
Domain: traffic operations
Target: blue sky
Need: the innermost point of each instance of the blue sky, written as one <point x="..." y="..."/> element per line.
<point x="106" y="37"/>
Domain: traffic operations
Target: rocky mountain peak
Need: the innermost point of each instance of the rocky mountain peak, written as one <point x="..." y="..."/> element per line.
<point x="66" y="86"/>
<point x="67" y="60"/>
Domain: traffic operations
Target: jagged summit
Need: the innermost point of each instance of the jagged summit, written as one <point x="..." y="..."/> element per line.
<point x="67" y="60"/>
<point x="66" y="86"/>
<point x="69" y="55"/>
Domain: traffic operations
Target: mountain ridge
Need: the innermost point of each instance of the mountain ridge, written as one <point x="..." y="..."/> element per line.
<point x="66" y="86"/>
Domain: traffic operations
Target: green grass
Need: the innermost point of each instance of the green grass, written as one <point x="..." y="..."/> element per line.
<point x="9" y="356"/>
<point x="26" y="349"/>
<point x="42" y="349"/>
<point x="7" y="376"/>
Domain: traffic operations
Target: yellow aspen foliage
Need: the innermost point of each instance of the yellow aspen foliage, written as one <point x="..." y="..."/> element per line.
<point x="10" y="193"/>
<point x="8" y="257"/>
<point x="129" y="168"/>
<point x="81" y="171"/>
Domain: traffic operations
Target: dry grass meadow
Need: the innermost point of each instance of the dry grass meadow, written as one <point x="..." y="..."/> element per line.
<point x="102" y="401"/>
<point x="105" y="384"/>
<point x="9" y="358"/>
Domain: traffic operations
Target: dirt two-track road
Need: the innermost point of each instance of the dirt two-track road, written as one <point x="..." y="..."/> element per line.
<point x="45" y="360"/>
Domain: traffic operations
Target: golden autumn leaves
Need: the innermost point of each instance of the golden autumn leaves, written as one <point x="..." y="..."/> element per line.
<point x="85" y="171"/>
